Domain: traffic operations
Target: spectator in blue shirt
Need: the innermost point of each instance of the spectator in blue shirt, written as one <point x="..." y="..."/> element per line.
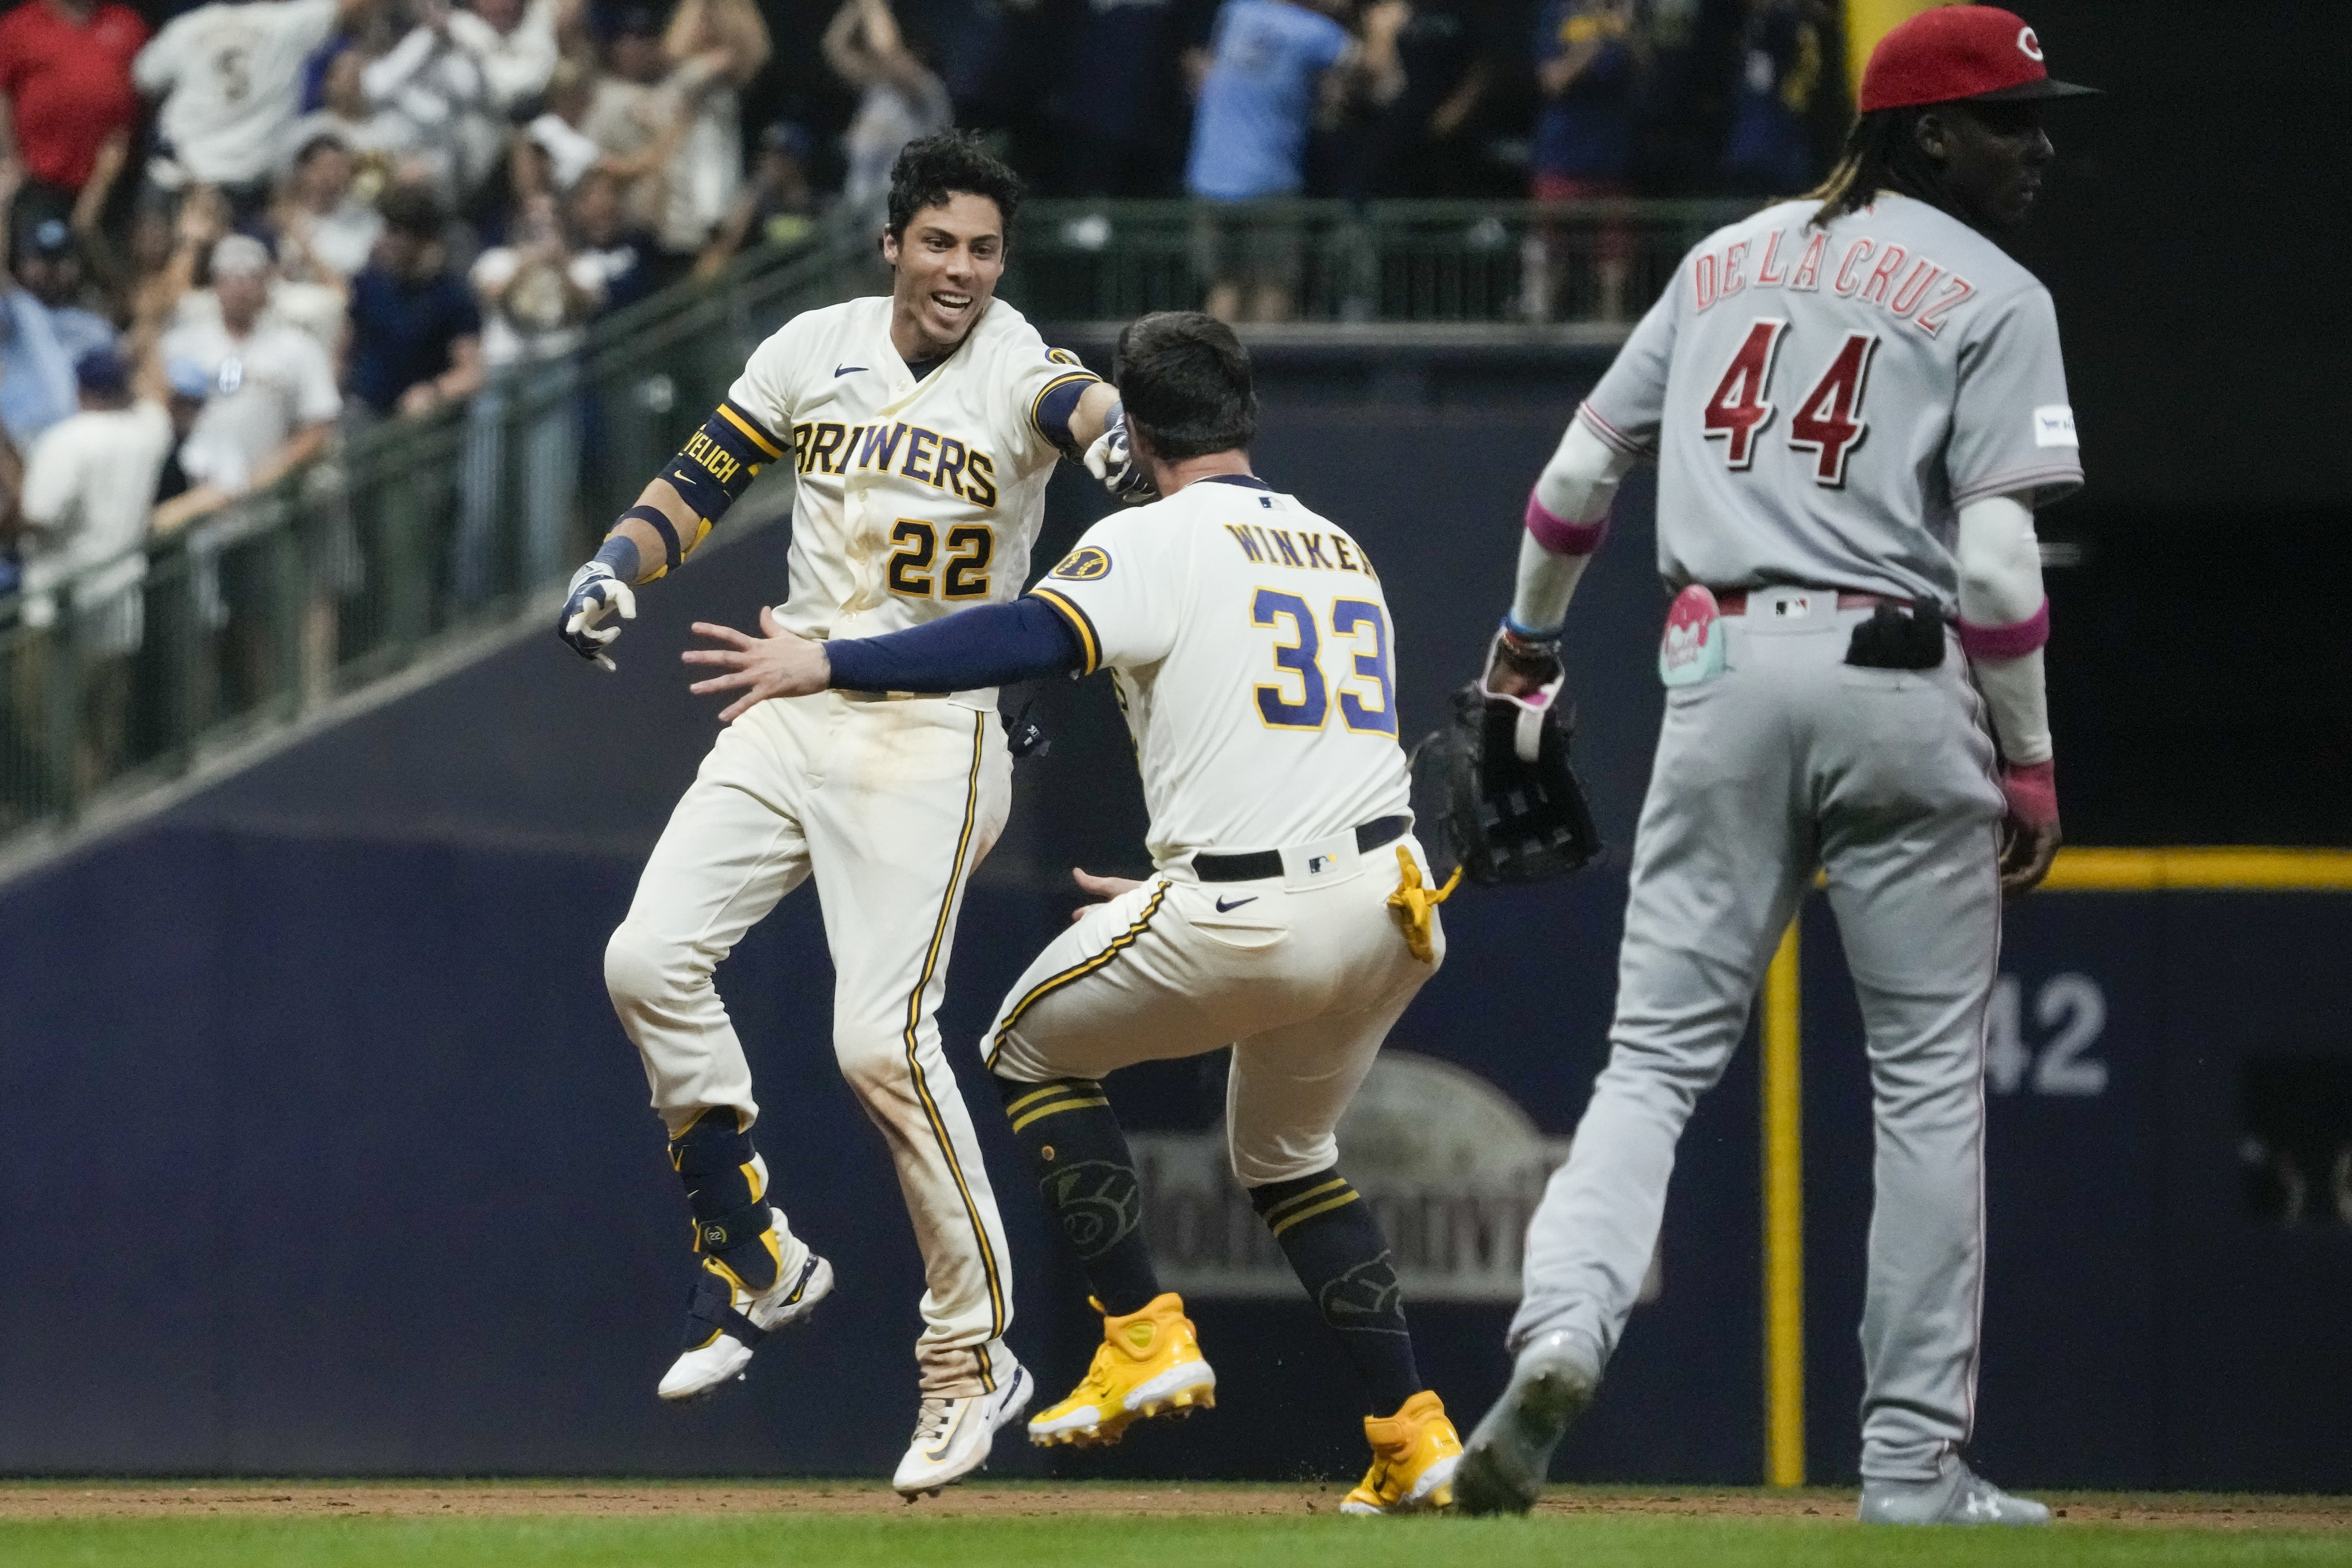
<point x="1589" y="59"/>
<point x="1272" y="64"/>
<point x="49" y="266"/>
<point x="37" y="374"/>
<point x="415" y="338"/>
<point x="1782" y="75"/>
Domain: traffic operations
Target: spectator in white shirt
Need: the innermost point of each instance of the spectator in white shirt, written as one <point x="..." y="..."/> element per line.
<point x="230" y="78"/>
<point x="88" y="486"/>
<point x="324" y="230"/>
<point x="273" y="399"/>
<point x="624" y="117"/>
<point x="717" y="46"/>
<point x="903" y="100"/>
<point x="457" y="77"/>
<point x="384" y="141"/>
<point x="536" y="297"/>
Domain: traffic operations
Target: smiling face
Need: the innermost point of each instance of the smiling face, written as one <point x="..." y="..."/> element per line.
<point x="1991" y="155"/>
<point x="947" y="264"/>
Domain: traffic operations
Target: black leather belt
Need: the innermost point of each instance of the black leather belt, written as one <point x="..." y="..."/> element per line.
<point x="1268" y="862"/>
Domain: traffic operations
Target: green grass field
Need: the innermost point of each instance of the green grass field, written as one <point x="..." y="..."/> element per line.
<point x="1016" y="1525"/>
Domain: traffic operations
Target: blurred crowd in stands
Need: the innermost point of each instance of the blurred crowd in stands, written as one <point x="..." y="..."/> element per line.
<point x="235" y="229"/>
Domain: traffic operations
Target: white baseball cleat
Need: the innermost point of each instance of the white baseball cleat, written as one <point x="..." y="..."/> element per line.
<point x="1959" y="1496"/>
<point x="1505" y="1463"/>
<point x="725" y="1321"/>
<point x="953" y="1434"/>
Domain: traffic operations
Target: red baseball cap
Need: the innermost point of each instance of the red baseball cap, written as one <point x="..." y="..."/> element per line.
<point x="1957" y="52"/>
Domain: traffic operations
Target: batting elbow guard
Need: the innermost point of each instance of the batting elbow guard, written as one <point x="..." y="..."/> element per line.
<point x="712" y="470"/>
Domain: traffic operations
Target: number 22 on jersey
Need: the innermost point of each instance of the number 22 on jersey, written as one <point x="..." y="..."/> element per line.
<point x="1828" y="423"/>
<point x="1367" y="692"/>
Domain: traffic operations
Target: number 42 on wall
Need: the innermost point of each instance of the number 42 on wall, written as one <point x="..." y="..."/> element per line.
<point x="2070" y="1004"/>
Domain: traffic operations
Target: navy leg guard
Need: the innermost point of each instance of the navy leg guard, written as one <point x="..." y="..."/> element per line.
<point x="733" y="1225"/>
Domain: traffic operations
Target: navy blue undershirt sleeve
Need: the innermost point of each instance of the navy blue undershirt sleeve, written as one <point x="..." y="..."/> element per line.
<point x="993" y="645"/>
<point x="1058" y="404"/>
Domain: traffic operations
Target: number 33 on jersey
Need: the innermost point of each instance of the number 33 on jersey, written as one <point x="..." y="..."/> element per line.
<point x="1253" y="651"/>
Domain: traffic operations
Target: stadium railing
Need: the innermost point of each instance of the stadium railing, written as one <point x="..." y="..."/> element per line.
<point x="408" y="534"/>
<point x="1502" y="263"/>
<point x="420" y="531"/>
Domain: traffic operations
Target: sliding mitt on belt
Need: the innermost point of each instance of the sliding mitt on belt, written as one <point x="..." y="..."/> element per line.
<point x="1498" y="778"/>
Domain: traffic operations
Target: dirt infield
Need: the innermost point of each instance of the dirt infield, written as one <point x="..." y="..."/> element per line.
<point x="426" y="1500"/>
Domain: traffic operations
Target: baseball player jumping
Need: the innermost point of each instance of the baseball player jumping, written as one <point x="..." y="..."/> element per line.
<point x="1855" y="402"/>
<point x="1288" y="918"/>
<point x="922" y="428"/>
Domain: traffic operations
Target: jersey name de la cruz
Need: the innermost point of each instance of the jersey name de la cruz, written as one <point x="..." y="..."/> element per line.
<point x="1822" y="401"/>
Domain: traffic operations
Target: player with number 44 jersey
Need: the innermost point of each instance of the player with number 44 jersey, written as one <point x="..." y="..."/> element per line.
<point x="1855" y="402"/>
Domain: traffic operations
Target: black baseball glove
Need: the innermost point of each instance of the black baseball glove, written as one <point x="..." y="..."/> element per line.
<point x="1498" y="778"/>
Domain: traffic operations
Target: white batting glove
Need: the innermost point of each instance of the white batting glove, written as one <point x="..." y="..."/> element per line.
<point x="1110" y="460"/>
<point x="596" y="592"/>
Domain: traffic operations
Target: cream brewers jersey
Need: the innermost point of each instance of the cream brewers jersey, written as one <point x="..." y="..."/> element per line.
<point x="915" y="498"/>
<point x="1254" y="659"/>
<point x="1822" y="401"/>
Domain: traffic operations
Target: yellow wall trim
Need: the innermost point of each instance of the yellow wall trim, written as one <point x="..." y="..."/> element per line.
<point x="1866" y="22"/>
<point x="2186" y="868"/>
<point x="1784" y="1223"/>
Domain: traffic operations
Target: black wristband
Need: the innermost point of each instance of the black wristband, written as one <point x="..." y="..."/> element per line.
<point x="653" y="517"/>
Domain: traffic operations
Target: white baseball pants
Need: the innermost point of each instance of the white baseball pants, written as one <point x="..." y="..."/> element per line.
<point x="1303" y="977"/>
<point x="889" y="805"/>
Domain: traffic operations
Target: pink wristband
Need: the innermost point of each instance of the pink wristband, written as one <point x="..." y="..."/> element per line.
<point x="2014" y="640"/>
<point x="1561" y="536"/>
<point x="2031" y="790"/>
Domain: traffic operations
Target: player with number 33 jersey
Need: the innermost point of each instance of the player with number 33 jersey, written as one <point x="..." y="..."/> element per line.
<point x="1289" y="915"/>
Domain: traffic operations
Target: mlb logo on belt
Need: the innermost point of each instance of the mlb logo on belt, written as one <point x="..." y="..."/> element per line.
<point x="1318" y="864"/>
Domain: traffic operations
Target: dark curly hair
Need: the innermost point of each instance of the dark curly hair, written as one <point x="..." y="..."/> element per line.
<point x="1184" y="379"/>
<point x="933" y="168"/>
<point x="1882" y="152"/>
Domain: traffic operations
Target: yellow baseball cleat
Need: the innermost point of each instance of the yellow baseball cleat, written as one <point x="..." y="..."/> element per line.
<point x="1150" y="1364"/>
<point x="1414" y="1452"/>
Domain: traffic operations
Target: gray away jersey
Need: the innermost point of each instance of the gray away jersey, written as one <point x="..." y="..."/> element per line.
<point x="1821" y="402"/>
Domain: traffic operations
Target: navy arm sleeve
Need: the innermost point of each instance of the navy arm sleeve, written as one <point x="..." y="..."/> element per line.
<point x="993" y="645"/>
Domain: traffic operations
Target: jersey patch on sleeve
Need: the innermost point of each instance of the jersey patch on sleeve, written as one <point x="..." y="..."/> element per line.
<point x="2054" y="425"/>
<point x="1084" y="564"/>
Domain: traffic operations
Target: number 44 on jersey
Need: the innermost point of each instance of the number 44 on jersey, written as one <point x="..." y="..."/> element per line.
<point x="1828" y="423"/>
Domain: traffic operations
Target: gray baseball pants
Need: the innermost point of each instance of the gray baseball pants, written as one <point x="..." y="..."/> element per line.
<point x="1788" y="760"/>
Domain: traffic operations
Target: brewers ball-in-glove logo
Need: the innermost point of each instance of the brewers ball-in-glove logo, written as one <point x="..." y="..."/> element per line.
<point x="1100" y="1204"/>
<point x="1084" y="564"/>
<point x="1367" y="1298"/>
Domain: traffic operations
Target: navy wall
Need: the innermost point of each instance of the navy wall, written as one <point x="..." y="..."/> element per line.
<point x="320" y="1151"/>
